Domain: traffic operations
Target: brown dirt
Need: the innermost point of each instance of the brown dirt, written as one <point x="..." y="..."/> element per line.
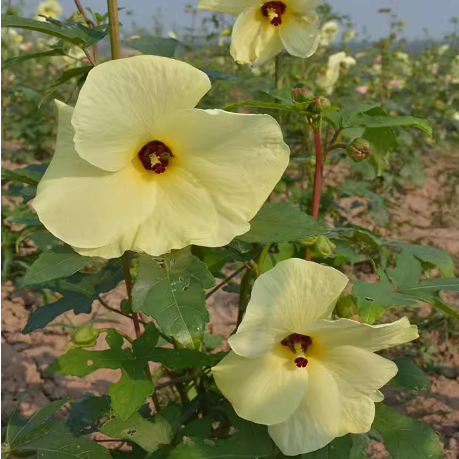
<point x="428" y="215"/>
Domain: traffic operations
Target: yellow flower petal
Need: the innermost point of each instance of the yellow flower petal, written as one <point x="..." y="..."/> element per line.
<point x="254" y="40"/>
<point x="358" y="375"/>
<point x="299" y="35"/>
<point x="86" y="206"/>
<point x="287" y="299"/>
<point x="303" y="7"/>
<point x="266" y="390"/>
<point x="122" y="100"/>
<point x="345" y="332"/>
<point x="233" y="7"/>
<point x="237" y="158"/>
<point x="316" y="422"/>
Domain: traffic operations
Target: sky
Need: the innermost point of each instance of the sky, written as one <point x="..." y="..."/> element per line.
<point x="435" y="16"/>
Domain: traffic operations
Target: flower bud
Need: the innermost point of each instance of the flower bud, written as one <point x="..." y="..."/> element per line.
<point x="322" y="248"/>
<point x="319" y="104"/>
<point x="85" y="336"/>
<point x="301" y="95"/>
<point x="359" y="149"/>
<point x="346" y="307"/>
<point x="308" y="241"/>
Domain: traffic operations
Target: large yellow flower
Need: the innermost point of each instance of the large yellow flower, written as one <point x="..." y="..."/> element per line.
<point x="308" y="378"/>
<point x="263" y="29"/>
<point x="138" y="168"/>
<point x="50" y="8"/>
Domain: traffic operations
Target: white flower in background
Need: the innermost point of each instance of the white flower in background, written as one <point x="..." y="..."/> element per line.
<point x="50" y="8"/>
<point x="263" y="29"/>
<point x="455" y="116"/>
<point x="349" y="35"/>
<point x="329" y="32"/>
<point x="308" y="378"/>
<point x="330" y="75"/>
<point x="454" y="74"/>
<point x="442" y="49"/>
<point x="172" y="34"/>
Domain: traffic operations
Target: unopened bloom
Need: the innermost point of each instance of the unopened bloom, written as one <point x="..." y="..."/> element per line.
<point x="328" y="79"/>
<point x="329" y="32"/>
<point x="50" y="8"/>
<point x="310" y="379"/>
<point x="137" y="167"/>
<point x="263" y="28"/>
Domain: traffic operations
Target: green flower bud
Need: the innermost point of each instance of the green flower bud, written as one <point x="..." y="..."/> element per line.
<point x="308" y="241"/>
<point x="319" y="104"/>
<point x="85" y="336"/>
<point x="322" y="248"/>
<point x="358" y="150"/>
<point x="301" y="95"/>
<point x="346" y="307"/>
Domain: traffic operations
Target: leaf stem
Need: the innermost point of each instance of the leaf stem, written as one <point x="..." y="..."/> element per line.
<point x="225" y="281"/>
<point x="91" y="25"/>
<point x="115" y="43"/>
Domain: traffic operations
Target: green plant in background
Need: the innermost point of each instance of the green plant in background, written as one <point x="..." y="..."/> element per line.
<point x="334" y="109"/>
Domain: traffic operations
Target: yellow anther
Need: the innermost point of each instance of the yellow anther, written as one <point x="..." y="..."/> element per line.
<point x="154" y="159"/>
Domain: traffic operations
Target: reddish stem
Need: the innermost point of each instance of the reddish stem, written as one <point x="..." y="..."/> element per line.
<point x="317" y="177"/>
<point x="318" y="172"/>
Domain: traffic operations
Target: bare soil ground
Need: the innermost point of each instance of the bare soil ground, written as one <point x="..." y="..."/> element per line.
<point x="428" y="215"/>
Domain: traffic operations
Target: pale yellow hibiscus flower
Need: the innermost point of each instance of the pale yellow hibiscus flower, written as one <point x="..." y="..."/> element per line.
<point x="138" y="168"/>
<point x="329" y="77"/>
<point x="50" y="8"/>
<point x="310" y="379"/>
<point x="263" y="29"/>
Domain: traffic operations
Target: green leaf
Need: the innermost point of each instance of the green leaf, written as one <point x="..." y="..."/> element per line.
<point x="66" y="76"/>
<point x="282" y="222"/>
<point x="59" y="262"/>
<point x="343" y="119"/>
<point x="19" y="428"/>
<point x="339" y="448"/>
<point x="385" y="121"/>
<point x="171" y="290"/>
<point x="374" y="298"/>
<point x="149" y="435"/>
<point x="130" y="392"/>
<point x="24" y="175"/>
<point x="425" y="287"/>
<point x="46" y="314"/>
<point x="58" y="443"/>
<point x="26" y="57"/>
<point x="383" y="142"/>
<point x="86" y="412"/>
<point x="201" y="427"/>
<point x="73" y="32"/>
<point x="156" y="46"/>
<point x="431" y="255"/>
<point x="259" y="104"/>
<point x="405" y="437"/>
<point x="408" y="270"/>
<point x="250" y="443"/>
<point x="410" y="376"/>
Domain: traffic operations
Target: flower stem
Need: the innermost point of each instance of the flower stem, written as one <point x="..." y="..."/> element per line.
<point x="261" y="259"/>
<point x="112" y="6"/>
<point x="278" y="71"/>
<point x="127" y="276"/>
<point x="317" y="174"/>
<point x="244" y="295"/>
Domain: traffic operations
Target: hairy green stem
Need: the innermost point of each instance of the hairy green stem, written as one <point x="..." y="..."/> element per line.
<point x="278" y="71"/>
<point x="261" y="259"/>
<point x="115" y="43"/>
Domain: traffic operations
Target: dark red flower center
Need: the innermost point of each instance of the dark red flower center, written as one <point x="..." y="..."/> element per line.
<point x="296" y="339"/>
<point x="274" y="11"/>
<point x="301" y="362"/>
<point x="155" y="156"/>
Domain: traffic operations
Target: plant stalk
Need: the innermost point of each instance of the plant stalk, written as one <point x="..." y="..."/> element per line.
<point x="115" y="43"/>
<point x="127" y="276"/>
<point x="278" y="71"/>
